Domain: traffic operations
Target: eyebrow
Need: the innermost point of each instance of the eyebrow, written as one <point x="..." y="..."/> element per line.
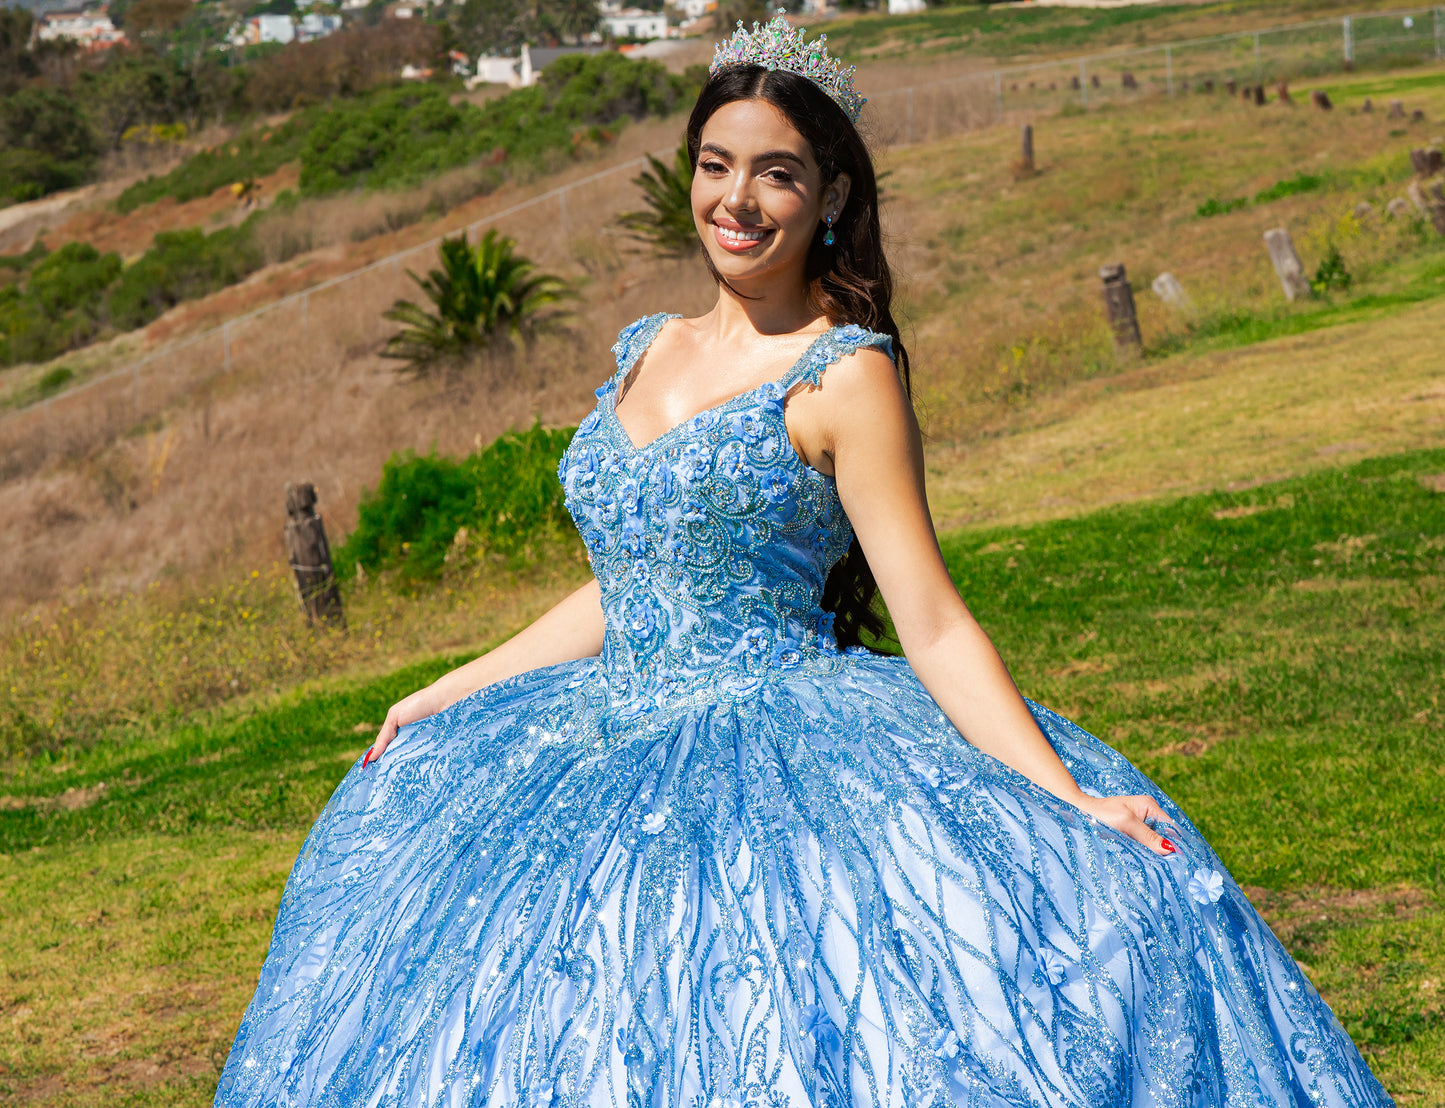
<point x="769" y="156"/>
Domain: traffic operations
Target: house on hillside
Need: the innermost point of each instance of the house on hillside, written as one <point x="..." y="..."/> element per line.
<point x="314" y="25"/>
<point x="521" y="72"/>
<point x="634" y="23"/>
<point x="91" y="28"/>
<point x="693" y="9"/>
<point x="267" y="27"/>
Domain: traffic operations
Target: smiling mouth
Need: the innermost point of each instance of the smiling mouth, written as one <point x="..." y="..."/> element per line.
<point x="737" y="239"/>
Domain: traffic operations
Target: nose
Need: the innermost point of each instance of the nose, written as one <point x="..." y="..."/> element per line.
<point x="739" y="196"/>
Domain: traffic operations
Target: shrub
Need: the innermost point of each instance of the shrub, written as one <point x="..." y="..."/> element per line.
<point x="506" y="496"/>
<point x="45" y="144"/>
<point x="60" y="305"/>
<point x="181" y="265"/>
<point x="667" y="224"/>
<point x="254" y="153"/>
<point x="481" y="295"/>
<point x="406" y="135"/>
<point x="1332" y="273"/>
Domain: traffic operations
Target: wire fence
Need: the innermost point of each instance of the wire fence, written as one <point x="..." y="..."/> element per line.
<point x="344" y="314"/>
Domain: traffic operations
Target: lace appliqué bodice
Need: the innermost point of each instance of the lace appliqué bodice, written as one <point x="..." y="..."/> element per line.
<point x="713" y="541"/>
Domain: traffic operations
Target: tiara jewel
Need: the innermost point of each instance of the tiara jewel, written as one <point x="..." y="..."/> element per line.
<point x="776" y="45"/>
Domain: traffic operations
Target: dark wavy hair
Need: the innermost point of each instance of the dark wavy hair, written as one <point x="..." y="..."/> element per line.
<point x="848" y="282"/>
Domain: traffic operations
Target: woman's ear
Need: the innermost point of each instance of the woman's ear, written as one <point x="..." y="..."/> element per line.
<point x="835" y="196"/>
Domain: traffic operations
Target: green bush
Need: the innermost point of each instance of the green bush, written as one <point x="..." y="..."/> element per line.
<point x="181" y="265"/>
<point x="249" y="155"/>
<point x="46" y="144"/>
<point x="60" y="305"/>
<point x="405" y="136"/>
<point x="506" y="496"/>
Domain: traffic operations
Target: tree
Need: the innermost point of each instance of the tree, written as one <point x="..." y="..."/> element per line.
<point x="491" y="26"/>
<point x="154" y="18"/>
<point x="16" y="64"/>
<point x="480" y="297"/>
<point x="667" y="224"/>
<point x="45" y="144"/>
<point x="748" y="12"/>
<point x="569" y="20"/>
<point x="127" y="91"/>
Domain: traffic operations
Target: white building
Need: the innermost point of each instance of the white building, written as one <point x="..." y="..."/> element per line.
<point x="905" y="7"/>
<point x="635" y="23"/>
<point x="92" y="29"/>
<point x="267" y="27"/>
<point x="314" y="25"/>
<point x="694" y="9"/>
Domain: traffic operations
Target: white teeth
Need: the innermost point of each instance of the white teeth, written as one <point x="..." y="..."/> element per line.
<point x="741" y="236"/>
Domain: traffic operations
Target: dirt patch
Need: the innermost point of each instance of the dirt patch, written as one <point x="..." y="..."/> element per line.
<point x="1435" y="482"/>
<point x="1201" y="738"/>
<point x="1304" y="919"/>
<point x="129" y="235"/>
<point x="1243" y="510"/>
<point x="71" y="800"/>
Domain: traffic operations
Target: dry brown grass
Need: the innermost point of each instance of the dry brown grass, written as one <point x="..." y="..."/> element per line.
<point x="183" y="466"/>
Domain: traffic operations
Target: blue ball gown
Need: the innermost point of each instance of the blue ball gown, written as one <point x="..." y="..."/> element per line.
<point x="724" y="864"/>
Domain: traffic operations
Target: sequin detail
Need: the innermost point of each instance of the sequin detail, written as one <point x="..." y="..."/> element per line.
<point x="726" y="865"/>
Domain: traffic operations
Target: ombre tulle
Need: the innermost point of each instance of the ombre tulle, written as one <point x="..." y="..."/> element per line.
<point x="726" y="864"/>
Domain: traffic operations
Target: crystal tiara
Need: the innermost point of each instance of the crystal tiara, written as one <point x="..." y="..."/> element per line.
<point x="776" y="45"/>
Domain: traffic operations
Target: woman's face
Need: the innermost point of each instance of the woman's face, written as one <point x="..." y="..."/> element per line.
<point x="758" y="195"/>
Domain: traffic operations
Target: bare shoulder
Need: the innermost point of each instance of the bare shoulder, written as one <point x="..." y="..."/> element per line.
<point x="865" y="377"/>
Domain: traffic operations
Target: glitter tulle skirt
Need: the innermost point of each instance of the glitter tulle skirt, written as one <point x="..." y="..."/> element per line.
<point x="799" y="890"/>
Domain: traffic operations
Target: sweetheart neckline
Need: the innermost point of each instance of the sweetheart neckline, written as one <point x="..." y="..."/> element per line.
<point x="625" y="435"/>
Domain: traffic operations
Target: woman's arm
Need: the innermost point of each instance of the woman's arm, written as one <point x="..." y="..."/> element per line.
<point x="869" y="432"/>
<point x="570" y="629"/>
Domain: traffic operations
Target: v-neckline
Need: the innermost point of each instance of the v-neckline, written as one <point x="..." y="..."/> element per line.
<point x="626" y="437"/>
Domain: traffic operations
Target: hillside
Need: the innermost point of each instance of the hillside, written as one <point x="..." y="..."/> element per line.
<point x="1222" y="553"/>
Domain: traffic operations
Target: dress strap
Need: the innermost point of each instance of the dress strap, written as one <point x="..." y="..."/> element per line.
<point x="829" y="347"/>
<point x="633" y="341"/>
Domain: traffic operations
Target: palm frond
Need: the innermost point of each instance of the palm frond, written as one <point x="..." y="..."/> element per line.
<point x="480" y="295"/>
<point x="667" y="224"/>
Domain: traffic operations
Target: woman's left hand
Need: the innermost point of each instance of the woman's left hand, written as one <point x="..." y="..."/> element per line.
<point x="1127" y="814"/>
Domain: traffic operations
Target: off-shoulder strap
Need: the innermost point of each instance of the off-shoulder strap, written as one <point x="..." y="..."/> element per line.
<point x="829" y="347"/>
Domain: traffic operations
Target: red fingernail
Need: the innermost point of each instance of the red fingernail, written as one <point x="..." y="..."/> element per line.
<point x="365" y="761"/>
<point x="1167" y="845"/>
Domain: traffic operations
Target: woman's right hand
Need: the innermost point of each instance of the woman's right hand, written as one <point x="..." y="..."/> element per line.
<point x="420" y="704"/>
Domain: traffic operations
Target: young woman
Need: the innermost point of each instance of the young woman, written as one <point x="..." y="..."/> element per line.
<point x="685" y="842"/>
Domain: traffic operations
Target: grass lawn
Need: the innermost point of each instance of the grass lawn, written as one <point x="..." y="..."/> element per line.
<point x="1270" y="656"/>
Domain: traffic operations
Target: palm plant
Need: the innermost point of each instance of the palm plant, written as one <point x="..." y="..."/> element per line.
<point x="667" y="224"/>
<point x="481" y="296"/>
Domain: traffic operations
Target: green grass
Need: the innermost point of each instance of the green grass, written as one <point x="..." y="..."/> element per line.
<point x="1008" y="32"/>
<point x="1413" y="280"/>
<point x="1271" y="657"/>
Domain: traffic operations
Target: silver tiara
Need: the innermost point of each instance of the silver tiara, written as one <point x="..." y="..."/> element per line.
<point x="776" y="45"/>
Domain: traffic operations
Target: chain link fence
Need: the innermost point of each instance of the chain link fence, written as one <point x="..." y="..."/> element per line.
<point x="342" y="316"/>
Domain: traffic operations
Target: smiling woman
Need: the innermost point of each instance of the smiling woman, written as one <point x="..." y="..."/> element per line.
<point x="688" y="841"/>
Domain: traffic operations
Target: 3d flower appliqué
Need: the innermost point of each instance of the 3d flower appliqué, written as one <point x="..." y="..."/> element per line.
<point x="1206" y="886"/>
<point x="818" y="1025"/>
<point x="1053" y="966"/>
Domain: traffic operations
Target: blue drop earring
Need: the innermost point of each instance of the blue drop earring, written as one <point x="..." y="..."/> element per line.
<point x="828" y="238"/>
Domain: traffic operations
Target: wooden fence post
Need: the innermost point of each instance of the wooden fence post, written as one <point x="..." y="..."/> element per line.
<point x="1119" y="303"/>
<point x="1287" y="265"/>
<point x="1027" y="159"/>
<point x="310" y="556"/>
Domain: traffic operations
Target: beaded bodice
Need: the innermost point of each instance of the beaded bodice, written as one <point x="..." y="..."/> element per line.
<point x="711" y="542"/>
